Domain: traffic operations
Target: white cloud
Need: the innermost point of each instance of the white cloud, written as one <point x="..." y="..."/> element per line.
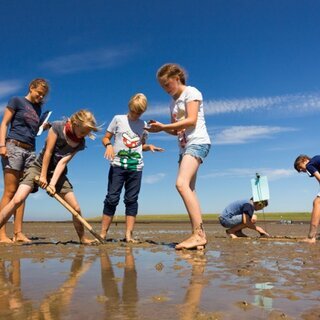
<point x="89" y="60"/>
<point x="158" y="110"/>
<point x="295" y="103"/>
<point x="152" y="179"/>
<point x="9" y="87"/>
<point x="272" y="174"/>
<point x="245" y="134"/>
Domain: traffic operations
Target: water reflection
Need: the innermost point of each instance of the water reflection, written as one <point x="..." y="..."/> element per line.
<point x="261" y="300"/>
<point x="14" y="306"/>
<point x="11" y="298"/>
<point x="197" y="282"/>
<point x="117" y="306"/>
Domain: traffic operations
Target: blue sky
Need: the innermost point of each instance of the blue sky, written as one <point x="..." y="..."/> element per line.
<point x="255" y="62"/>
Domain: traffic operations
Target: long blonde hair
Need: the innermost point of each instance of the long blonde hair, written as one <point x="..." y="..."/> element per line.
<point x="85" y="118"/>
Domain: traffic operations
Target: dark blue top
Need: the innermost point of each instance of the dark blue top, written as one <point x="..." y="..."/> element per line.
<point x="25" y="121"/>
<point x="313" y="165"/>
<point x="238" y="208"/>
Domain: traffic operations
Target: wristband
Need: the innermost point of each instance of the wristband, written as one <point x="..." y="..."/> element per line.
<point x="108" y="144"/>
<point x="3" y="145"/>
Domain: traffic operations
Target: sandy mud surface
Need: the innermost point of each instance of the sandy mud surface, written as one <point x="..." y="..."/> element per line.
<point x="246" y="278"/>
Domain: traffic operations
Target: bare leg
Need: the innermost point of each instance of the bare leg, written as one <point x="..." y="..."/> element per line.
<point x="72" y="201"/>
<point x="314" y="223"/>
<point x="130" y="221"/>
<point x="11" y="182"/>
<point x="185" y="185"/>
<point x="19" y="197"/>
<point x="18" y="220"/>
<point x="105" y="225"/>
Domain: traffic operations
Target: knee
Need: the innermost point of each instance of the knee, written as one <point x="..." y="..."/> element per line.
<point x="180" y="185"/>
<point x="17" y="200"/>
<point x="77" y="208"/>
<point x="9" y="193"/>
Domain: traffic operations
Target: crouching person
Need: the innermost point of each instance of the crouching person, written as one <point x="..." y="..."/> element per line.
<point x="240" y="215"/>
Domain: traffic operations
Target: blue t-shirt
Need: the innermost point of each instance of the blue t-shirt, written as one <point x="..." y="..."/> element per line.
<point x="313" y="166"/>
<point x="238" y="208"/>
<point x="25" y="121"/>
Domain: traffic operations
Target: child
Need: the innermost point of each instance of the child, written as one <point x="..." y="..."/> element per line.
<point x="240" y="215"/>
<point x="311" y="166"/>
<point x="126" y="162"/>
<point x="188" y="123"/>
<point x="65" y="139"/>
<point x="17" y="147"/>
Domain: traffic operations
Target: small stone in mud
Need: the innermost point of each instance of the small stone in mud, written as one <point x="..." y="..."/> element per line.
<point x="102" y="299"/>
<point x="244" y="305"/>
<point x="159" y="266"/>
<point x="243" y="272"/>
<point x="159" y="298"/>
<point x="177" y="267"/>
<point x="121" y="265"/>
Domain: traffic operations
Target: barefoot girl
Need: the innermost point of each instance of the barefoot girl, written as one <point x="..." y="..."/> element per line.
<point x="188" y="123"/>
<point x="18" y="130"/>
<point x="65" y="139"/>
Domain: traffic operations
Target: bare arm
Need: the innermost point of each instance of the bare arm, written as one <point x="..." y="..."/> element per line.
<point x="109" y="152"/>
<point x="7" y="117"/>
<point x="50" y="143"/>
<point x="251" y="224"/>
<point x="192" y="109"/>
<point x="317" y="176"/>
<point x="60" y="168"/>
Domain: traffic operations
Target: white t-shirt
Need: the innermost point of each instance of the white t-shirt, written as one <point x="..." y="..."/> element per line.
<point x="192" y="135"/>
<point x="128" y="138"/>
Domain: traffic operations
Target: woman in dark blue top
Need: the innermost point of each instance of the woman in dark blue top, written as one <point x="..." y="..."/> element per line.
<point x="17" y="147"/>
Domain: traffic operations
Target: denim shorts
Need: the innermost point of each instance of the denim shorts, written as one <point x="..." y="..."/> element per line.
<point x="17" y="158"/>
<point x="199" y="151"/>
<point x="229" y="222"/>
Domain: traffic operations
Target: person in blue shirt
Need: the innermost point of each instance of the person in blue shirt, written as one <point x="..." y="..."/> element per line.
<point x="240" y="215"/>
<point x="311" y="166"/>
<point x="18" y="130"/>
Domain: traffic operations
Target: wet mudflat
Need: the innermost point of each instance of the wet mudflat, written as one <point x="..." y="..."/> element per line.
<point x="247" y="278"/>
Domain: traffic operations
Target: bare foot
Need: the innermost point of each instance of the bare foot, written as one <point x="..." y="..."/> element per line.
<point x="5" y="240"/>
<point x="308" y="240"/>
<point x="132" y="240"/>
<point x="88" y="241"/>
<point x="193" y="242"/>
<point x="20" y="237"/>
<point x="231" y="235"/>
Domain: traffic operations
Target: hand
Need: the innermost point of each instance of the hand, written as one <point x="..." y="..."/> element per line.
<point x="3" y="151"/>
<point x="51" y="190"/>
<point x="155" y="126"/>
<point x="265" y="235"/>
<point x="46" y="126"/>
<point x="109" y="153"/>
<point x="153" y="148"/>
<point x="43" y="182"/>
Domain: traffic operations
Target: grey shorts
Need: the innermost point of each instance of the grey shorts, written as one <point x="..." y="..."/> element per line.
<point x="17" y="158"/>
<point x="63" y="185"/>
